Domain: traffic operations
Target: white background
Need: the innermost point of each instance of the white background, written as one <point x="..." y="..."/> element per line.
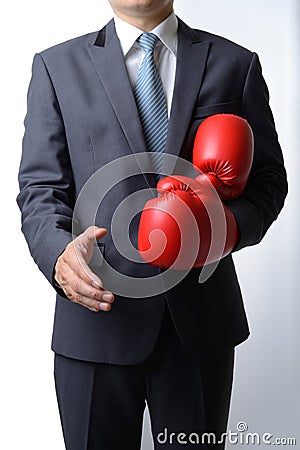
<point x="266" y="386"/>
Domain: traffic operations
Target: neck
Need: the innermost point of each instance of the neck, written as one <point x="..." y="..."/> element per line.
<point x="144" y="23"/>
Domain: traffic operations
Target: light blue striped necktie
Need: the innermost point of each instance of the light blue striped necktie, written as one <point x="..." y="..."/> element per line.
<point x="151" y="103"/>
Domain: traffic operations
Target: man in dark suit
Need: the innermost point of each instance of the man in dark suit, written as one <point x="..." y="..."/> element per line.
<point x="175" y="349"/>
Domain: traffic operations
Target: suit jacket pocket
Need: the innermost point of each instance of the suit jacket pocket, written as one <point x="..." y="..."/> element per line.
<point x="217" y="108"/>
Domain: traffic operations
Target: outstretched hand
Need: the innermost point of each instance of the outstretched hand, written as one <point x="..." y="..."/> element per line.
<point x="75" y="277"/>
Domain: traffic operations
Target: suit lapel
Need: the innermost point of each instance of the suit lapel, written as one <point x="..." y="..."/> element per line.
<point x="108" y="59"/>
<point x="191" y="61"/>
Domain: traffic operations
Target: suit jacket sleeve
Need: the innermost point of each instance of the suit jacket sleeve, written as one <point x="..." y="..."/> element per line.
<point x="46" y="196"/>
<point x="263" y="197"/>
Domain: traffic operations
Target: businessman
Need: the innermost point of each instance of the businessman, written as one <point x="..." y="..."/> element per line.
<point x="173" y="350"/>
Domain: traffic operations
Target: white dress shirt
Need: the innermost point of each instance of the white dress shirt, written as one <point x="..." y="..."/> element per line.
<point x="165" y="53"/>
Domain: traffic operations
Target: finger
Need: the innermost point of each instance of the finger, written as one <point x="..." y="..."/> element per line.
<point x="79" y="286"/>
<point x="68" y="278"/>
<point x="92" y="305"/>
<point x="83" y="271"/>
<point x="76" y="262"/>
<point x="82" y="282"/>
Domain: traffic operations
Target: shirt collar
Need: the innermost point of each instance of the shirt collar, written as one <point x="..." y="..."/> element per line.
<point x="166" y="31"/>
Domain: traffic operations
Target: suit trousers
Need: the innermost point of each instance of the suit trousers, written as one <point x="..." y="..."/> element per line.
<point x="101" y="405"/>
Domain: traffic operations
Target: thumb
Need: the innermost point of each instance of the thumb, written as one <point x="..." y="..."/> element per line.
<point x="94" y="233"/>
<point x="99" y="233"/>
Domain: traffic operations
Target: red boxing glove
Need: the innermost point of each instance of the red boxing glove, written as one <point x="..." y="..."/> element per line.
<point x="223" y="151"/>
<point x="187" y="226"/>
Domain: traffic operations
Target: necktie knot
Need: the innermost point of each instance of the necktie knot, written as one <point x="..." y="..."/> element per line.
<point x="147" y="41"/>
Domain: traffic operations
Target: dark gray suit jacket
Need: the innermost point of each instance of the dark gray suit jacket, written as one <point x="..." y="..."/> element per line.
<point x="82" y="115"/>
